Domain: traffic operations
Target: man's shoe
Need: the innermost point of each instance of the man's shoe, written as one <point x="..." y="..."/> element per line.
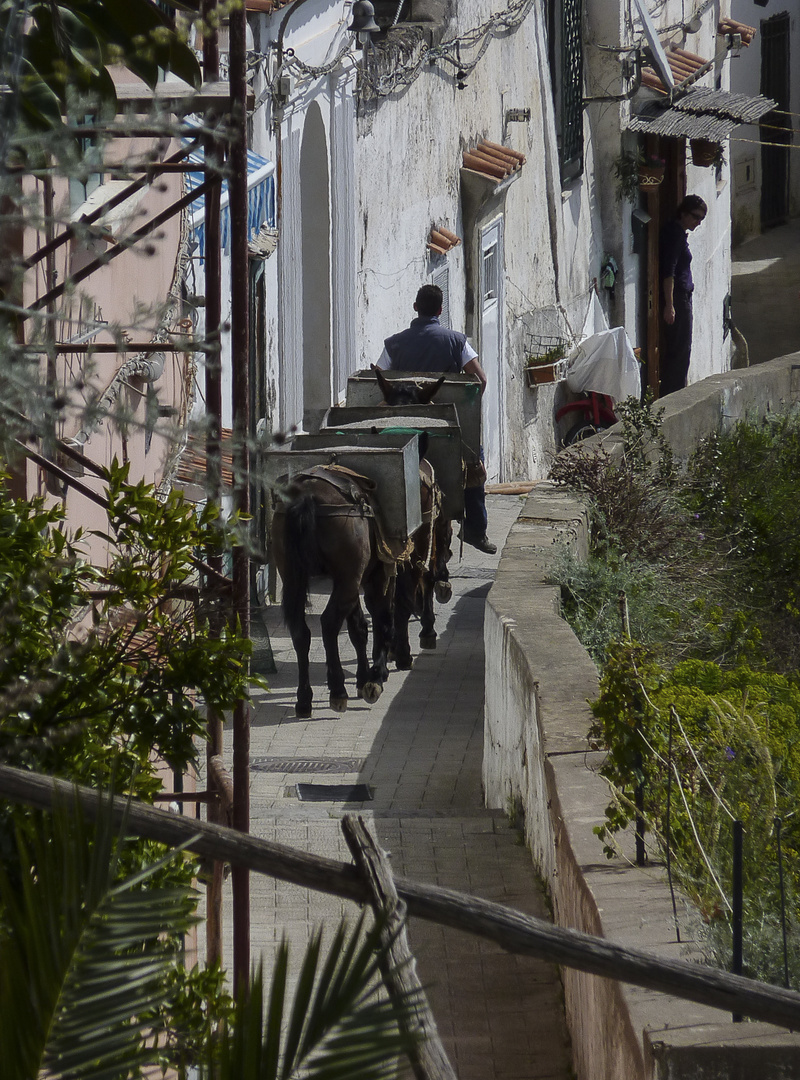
<point x="482" y="543"/>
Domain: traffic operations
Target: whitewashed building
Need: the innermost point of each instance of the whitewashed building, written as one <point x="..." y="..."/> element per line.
<point x="475" y="147"/>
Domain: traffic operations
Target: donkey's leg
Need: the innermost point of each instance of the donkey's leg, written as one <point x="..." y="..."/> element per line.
<point x="378" y="596"/>
<point x="336" y="610"/>
<point x="358" y="630"/>
<point x="427" y="629"/>
<point x="301" y="640"/>
<point x="405" y="587"/>
<point x="443" y="538"/>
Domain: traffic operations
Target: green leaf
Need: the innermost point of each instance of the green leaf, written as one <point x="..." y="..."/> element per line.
<point x="82" y="956"/>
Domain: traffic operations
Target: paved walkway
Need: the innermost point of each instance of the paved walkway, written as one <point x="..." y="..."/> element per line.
<point x="765" y="292"/>
<point x="419" y="749"/>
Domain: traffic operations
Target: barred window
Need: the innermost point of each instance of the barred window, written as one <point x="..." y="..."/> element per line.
<point x="564" y="22"/>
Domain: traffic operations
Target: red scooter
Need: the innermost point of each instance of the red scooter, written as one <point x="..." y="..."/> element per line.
<point x="591" y="413"/>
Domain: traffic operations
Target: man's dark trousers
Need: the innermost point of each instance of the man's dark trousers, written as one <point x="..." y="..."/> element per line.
<point x="476" y="519"/>
<point x="677" y="344"/>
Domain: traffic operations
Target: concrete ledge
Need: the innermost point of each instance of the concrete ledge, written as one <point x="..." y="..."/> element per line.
<point x="537" y="759"/>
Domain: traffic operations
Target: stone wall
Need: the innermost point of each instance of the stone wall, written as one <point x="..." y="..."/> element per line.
<point x="537" y="760"/>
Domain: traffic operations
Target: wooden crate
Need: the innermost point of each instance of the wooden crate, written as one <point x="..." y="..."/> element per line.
<point x="438" y="422"/>
<point x="392" y="461"/>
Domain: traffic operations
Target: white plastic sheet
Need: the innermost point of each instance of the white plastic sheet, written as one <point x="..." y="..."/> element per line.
<point x="603" y="361"/>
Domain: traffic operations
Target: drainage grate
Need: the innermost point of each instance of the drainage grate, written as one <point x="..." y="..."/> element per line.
<point x="307" y="765"/>
<point x="333" y="792"/>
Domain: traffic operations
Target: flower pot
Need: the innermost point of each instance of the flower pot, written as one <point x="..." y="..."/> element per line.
<point x="538" y="374"/>
<point x="704" y="152"/>
<point x="650" y="176"/>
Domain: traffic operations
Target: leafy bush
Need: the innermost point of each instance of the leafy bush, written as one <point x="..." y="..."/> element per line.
<point x="707" y="746"/>
<point x="743" y="487"/>
<point x="648" y="543"/>
<point x="103" y="671"/>
<point x="689" y="603"/>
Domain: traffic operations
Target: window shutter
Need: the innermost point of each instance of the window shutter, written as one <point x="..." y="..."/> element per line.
<point x="442" y="279"/>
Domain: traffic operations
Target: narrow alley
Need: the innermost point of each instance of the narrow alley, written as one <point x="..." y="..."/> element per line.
<point x="419" y="750"/>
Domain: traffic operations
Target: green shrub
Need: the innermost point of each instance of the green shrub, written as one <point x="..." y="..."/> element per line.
<point x="690" y="604"/>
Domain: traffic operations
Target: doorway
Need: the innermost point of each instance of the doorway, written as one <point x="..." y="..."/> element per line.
<point x="491" y="345"/>
<point x="775" y="84"/>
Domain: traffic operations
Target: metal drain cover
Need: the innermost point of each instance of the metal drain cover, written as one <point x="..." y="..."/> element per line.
<point x="307" y="765"/>
<point x="333" y="792"/>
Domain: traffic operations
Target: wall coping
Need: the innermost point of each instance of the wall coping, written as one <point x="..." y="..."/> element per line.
<point x="537" y="759"/>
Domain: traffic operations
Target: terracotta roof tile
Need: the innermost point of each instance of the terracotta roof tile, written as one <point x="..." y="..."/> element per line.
<point x="441" y="240"/>
<point x="191" y="470"/>
<point x="493" y="160"/>
<point x="683" y="65"/>
<point x="731" y="26"/>
<point x="267" y="6"/>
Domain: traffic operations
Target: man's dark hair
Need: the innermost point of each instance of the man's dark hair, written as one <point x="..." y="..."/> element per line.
<point x="429" y="300"/>
<point x="692" y="204"/>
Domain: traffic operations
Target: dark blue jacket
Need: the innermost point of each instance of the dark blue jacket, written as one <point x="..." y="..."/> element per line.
<point x="426" y="346"/>
<point x="674" y="255"/>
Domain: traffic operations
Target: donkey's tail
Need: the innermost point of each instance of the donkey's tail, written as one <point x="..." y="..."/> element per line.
<point x="300" y="556"/>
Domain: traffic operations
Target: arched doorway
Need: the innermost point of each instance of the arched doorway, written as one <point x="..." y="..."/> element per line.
<point x="315" y="220"/>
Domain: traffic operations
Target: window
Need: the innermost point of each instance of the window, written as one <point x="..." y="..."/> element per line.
<point x="442" y="279"/>
<point x="564" y="21"/>
<point x="490" y="273"/>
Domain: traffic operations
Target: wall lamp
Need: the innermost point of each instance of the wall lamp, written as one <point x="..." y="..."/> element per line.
<point x="363" y="23"/>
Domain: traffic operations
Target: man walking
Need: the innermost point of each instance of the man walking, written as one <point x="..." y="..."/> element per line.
<point x="428" y="346"/>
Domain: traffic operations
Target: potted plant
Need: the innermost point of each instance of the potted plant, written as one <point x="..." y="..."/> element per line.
<point x="626" y="172"/>
<point x="651" y="171"/>
<point x="542" y="363"/>
<point x="634" y="171"/>
<point x="706" y="153"/>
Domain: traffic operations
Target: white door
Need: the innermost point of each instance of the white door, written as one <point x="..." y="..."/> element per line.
<point x="491" y="346"/>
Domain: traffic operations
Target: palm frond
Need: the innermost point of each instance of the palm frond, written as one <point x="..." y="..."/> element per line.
<point x="81" y="955"/>
<point x="341" y="1025"/>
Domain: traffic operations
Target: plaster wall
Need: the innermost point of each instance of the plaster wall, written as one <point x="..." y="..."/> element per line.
<point x="314" y="272"/>
<point x="538" y="765"/>
<point x="548" y="233"/>
<point x="131" y="294"/>
<point x="395" y="172"/>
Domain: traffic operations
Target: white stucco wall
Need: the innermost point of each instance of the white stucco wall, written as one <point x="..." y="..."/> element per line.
<point x="395" y="172"/>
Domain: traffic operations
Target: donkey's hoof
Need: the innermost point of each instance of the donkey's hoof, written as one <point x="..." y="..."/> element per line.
<point x="443" y="591"/>
<point x="427" y="641"/>
<point x="302" y="712"/>
<point x="371" y="691"/>
<point x="338" y="703"/>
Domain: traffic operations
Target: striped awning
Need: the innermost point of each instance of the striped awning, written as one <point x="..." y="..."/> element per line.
<point x="701" y="113"/>
<point x="260" y="199"/>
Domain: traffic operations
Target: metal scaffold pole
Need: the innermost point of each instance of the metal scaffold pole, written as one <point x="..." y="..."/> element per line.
<point x="212" y="157"/>
<point x="240" y="339"/>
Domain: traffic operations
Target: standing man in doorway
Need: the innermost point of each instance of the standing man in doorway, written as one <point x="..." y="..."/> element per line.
<point x="677" y="287"/>
<point x="428" y="346"/>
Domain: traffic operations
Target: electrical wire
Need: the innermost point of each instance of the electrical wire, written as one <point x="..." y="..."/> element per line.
<point x="449" y="52"/>
<point x="763" y="142"/>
